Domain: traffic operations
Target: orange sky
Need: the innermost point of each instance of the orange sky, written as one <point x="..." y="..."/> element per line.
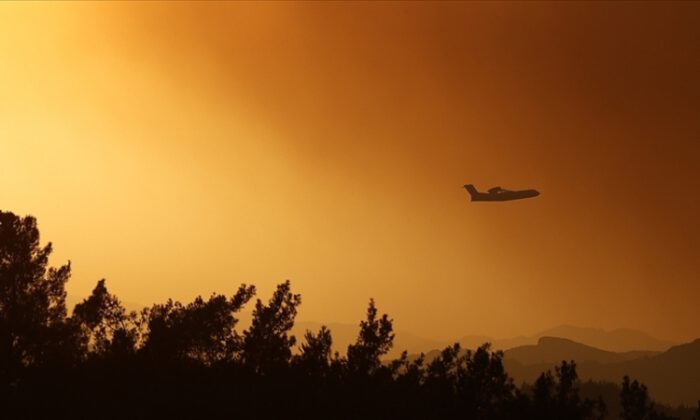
<point x="178" y="149"/>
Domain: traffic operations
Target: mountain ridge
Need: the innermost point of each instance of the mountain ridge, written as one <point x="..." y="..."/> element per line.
<point x="618" y="339"/>
<point x="672" y="376"/>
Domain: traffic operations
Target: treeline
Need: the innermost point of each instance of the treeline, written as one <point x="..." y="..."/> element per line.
<point x="189" y="360"/>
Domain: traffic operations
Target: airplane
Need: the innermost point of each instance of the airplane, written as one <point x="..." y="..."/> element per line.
<point x="499" y="194"/>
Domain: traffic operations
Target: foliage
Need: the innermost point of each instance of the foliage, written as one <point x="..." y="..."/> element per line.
<point x="188" y="360"/>
<point x="636" y="404"/>
<point x="374" y="340"/>
<point x="266" y="344"/>
<point x="558" y="396"/>
<point x="315" y="355"/>
<point x="202" y="331"/>
<point x="32" y="297"/>
<point x="105" y="328"/>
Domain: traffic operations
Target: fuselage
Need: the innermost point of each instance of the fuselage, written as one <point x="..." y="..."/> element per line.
<point x="500" y="194"/>
<point x="506" y="195"/>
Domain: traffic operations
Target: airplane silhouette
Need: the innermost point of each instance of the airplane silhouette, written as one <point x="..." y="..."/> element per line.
<point x="499" y="194"/>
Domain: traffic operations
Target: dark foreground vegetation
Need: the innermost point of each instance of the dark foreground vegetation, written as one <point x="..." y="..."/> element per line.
<point x="188" y="361"/>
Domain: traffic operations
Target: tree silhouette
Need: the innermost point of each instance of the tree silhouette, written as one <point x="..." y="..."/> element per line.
<point x="635" y="400"/>
<point x="202" y="331"/>
<point x="441" y="377"/>
<point x="374" y="340"/>
<point x="410" y="374"/>
<point x="484" y="387"/>
<point x="315" y="356"/>
<point x="105" y="328"/>
<point x="557" y="396"/>
<point x="446" y="366"/>
<point x="266" y="344"/>
<point x="32" y="297"/>
<point x="473" y="384"/>
<point x="636" y="404"/>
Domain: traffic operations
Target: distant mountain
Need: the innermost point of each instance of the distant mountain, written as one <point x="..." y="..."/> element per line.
<point x="555" y="349"/>
<point x="618" y="340"/>
<point x="532" y="353"/>
<point x="673" y="376"/>
<point x="474" y="341"/>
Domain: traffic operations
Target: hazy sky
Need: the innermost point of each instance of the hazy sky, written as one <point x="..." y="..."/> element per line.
<point x="179" y="149"/>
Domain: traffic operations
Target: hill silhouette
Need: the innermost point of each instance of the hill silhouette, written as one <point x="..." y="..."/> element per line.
<point x="672" y="376"/>
<point x="555" y="349"/>
<point x="636" y="343"/>
<point x="616" y="340"/>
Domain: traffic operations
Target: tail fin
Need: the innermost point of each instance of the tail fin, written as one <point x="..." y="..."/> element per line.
<point x="472" y="191"/>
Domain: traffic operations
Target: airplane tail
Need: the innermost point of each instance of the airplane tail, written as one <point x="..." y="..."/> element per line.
<point x="472" y="190"/>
